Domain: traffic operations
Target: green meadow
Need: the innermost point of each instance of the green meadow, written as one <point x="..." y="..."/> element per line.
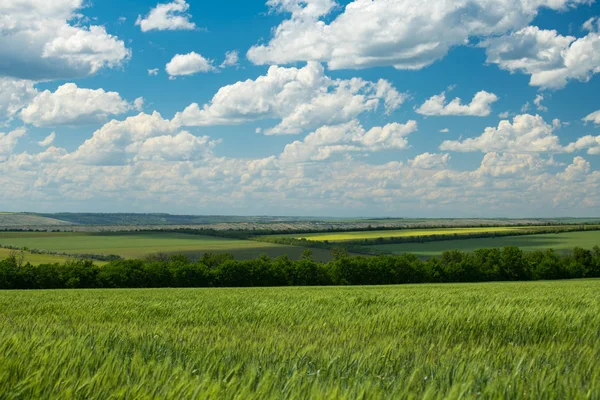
<point x="35" y="259"/>
<point x="556" y="241"/>
<point x="140" y="245"/>
<point x="454" y="341"/>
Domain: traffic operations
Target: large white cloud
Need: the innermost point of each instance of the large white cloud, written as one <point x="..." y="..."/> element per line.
<point x="550" y="58"/>
<point x="14" y="95"/>
<point x="38" y="41"/>
<point x="350" y="137"/>
<point x="167" y="16"/>
<point x="400" y="33"/>
<point x="141" y="137"/>
<point x="303" y="98"/>
<point x="188" y="64"/>
<point x="71" y="105"/>
<point x="480" y="106"/>
<point x="526" y="134"/>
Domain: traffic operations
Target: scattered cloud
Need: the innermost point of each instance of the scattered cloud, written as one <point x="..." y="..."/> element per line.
<point x="153" y="72"/>
<point x="48" y="140"/>
<point x="538" y="102"/>
<point x="167" y="16"/>
<point x="445" y="130"/>
<point x="480" y="106"/>
<point x="232" y="59"/>
<point x="188" y="64"/>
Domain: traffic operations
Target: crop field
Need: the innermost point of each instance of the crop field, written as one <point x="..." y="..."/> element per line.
<point x="556" y="241"/>
<point x="492" y="340"/>
<point x="140" y="245"/>
<point x="375" y="234"/>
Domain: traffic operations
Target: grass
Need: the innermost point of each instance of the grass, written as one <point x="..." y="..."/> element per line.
<point x="557" y="241"/>
<point x="359" y="235"/>
<point x="139" y="245"/>
<point x="495" y="340"/>
<point x="35" y="259"/>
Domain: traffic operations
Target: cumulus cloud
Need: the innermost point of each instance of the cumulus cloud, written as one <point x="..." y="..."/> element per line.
<point x="38" y="42"/>
<point x="14" y="95"/>
<point x="480" y="106"/>
<point x="328" y="140"/>
<point x="397" y="33"/>
<point x="550" y="58"/>
<point x="48" y="140"/>
<point x="188" y="64"/>
<point x="232" y="59"/>
<point x="71" y="105"/>
<point x="303" y="98"/>
<point x="526" y="134"/>
<point x="430" y="161"/>
<point x="9" y="140"/>
<point x="167" y="16"/>
<point x="153" y="72"/>
<point x="510" y="164"/>
<point x="593" y="117"/>
<point x="141" y="137"/>
<point x="589" y="142"/>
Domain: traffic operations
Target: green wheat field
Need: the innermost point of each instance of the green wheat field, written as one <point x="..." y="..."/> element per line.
<point x="537" y="340"/>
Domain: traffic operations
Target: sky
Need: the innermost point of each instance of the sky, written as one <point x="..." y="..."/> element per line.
<point x="364" y="108"/>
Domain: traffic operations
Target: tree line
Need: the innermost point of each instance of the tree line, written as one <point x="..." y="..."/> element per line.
<point x="222" y="270"/>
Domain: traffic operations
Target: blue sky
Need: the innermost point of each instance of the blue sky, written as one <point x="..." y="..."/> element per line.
<point x="323" y="108"/>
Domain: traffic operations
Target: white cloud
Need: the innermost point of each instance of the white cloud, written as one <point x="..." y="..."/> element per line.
<point x="167" y="16"/>
<point x="538" y="102"/>
<point x="593" y="117"/>
<point x="38" y="43"/>
<point x="504" y="115"/>
<point x="138" y="104"/>
<point x="9" y="140"/>
<point x="14" y="95"/>
<point x="550" y="58"/>
<point x="188" y="64"/>
<point x="153" y="72"/>
<point x="180" y="147"/>
<point x="526" y="134"/>
<point x="589" y="142"/>
<point x="71" y="105"/>
<point x="141" y="137"/>
<point x="430" y="161"/>
<point x="48" y="140"/>
<point x="480" y="106"/>
<point x="328" y="140"/>
<point x="510" y="164"/>
<point x="232" y="59"/>
<point x="399" y="33"/>
<point x="445" y="130"/>
<point x="303" y="98"/>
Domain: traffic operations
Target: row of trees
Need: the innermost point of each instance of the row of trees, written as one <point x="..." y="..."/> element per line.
<point x="509" y="263"/>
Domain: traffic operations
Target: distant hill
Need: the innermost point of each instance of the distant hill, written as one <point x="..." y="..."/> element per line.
<point x="26" y="219"/>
